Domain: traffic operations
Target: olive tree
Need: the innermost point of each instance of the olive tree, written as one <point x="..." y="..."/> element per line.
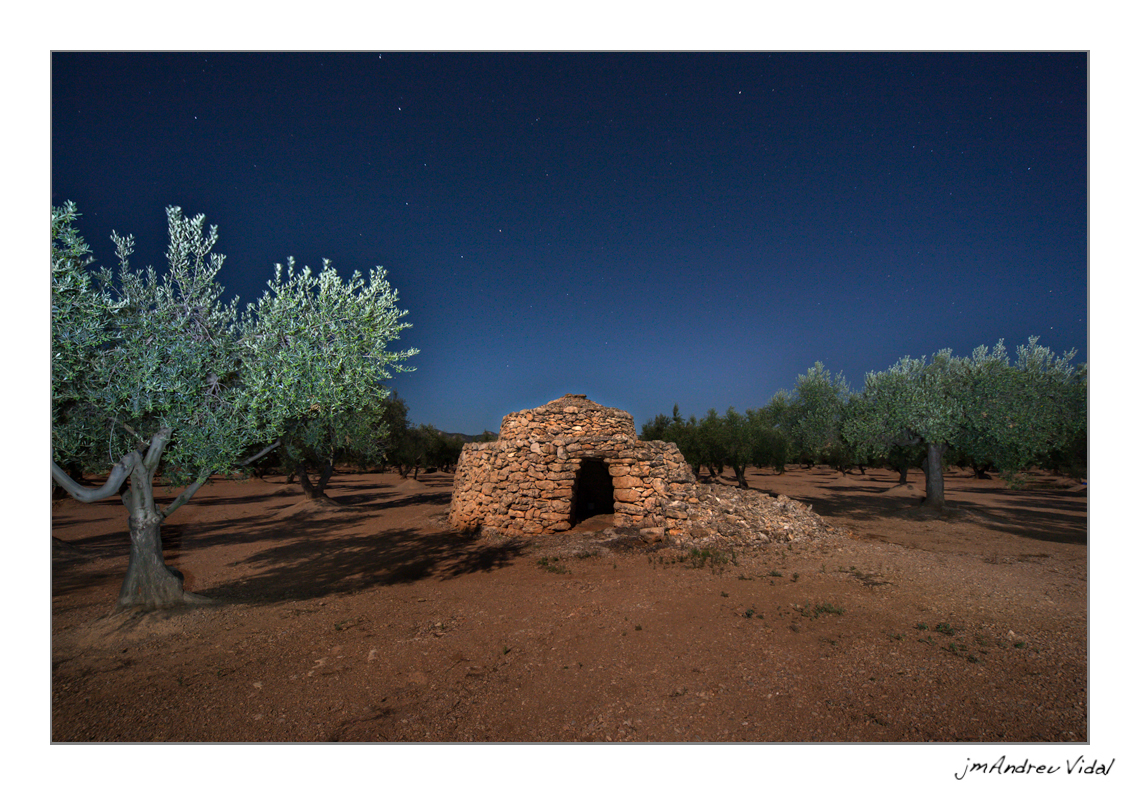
<point x="734" y="439"/>
<point x="711" y="443"/>
<point x="315" y="360"/>
<point x="424" y="447"/>
<point x="737" y="443"/>
<point x="1020" y="413"/>
<point x="152" y="377"/>
<point x="769" y="445"/>
<point x="984" y="406"/>
<point x="815" y="414"/>
<point x="159" y="365"/>
<point x="318" y="442"/>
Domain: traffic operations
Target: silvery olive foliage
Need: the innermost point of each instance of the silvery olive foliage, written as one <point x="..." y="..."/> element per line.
<point x="1019" y="411"/>
<point x="913" y="402"/>
<point x="154" y="376"/>
<point x="81" y="313"/>
<point x="815" y="414"/>
<point x="315" y="356"/>
<point x="174" y="365"/>
<point x="985" y="406"/>
<point x="137" y="356"/>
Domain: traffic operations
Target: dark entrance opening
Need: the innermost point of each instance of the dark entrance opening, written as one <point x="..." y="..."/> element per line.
<point x="593" y="491"/>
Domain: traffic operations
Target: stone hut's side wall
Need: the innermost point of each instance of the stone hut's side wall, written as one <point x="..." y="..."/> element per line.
<point x="526" y="487"/>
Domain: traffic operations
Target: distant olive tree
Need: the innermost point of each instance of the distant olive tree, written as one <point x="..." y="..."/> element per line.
<point x="656" y="429"/>
<point x="769" y="446"/>
<point x="710" y="441"/>
<point x="903" y="458"/>
<point x="718" y="441"/>
<point x="316" y="444"/>
<point x="984" y="406"/>
<point x="737" y="443"/>
<point x="815" y="414"/>
<point x="1024" y="412"/>
<point x="424" y="447"/>
<point x="401" y="448"/>
<point x="155" y="377"/>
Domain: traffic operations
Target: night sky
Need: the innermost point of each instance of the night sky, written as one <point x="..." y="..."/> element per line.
<point x="646" y="229"/>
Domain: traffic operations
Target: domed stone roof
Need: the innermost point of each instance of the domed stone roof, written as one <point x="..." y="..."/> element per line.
<point x="568" y="417"/>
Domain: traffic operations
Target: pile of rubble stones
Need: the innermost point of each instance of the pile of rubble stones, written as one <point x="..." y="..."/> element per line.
<point x="741" y="517"/>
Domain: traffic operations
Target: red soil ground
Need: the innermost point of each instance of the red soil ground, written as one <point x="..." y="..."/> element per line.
<point x="375" y="622"/>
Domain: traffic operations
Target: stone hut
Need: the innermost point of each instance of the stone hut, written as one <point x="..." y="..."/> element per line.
<point x="557" y="465"/>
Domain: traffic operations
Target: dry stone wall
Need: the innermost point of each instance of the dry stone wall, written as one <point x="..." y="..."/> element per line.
<point x="549" y="461"/>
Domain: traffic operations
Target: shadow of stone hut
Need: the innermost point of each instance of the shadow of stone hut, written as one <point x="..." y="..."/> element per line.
<point x="555" y="466"/>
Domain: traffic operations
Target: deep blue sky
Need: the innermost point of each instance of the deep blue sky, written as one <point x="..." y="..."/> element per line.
<point x="645" y="229"/>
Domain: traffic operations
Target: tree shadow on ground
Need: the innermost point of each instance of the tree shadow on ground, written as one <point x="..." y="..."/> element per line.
<point x="862" y="504"/>
<point x="315" y="549"/>
<point x="102" y="545"/>
<point x="1038" y="526"/>
<point x="1056" y="516"/>
<point x="1040" y="519"/>
<point x="74" y="570"/>
<point x="313" y="564"/>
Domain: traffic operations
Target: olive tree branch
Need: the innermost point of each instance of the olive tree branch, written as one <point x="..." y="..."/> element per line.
<point x="204" y="476"/>
<point x="114" y="482"/>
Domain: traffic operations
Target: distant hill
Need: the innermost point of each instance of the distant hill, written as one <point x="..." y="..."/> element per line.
<point x="466" y="437"/>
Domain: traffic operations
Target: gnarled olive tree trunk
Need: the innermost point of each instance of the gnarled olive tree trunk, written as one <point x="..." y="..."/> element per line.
<point x="741" y="480"/>
<point x="315" y="491"/>
<point x="150" y="583"/>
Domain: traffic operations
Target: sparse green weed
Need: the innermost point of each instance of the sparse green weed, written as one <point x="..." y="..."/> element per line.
<point x="715" y="559"/>
<point x="807" y="611"/>
<point x="552" y="565"/>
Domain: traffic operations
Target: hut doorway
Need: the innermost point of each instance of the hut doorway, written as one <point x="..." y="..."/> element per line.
<point x="593" y="491"/>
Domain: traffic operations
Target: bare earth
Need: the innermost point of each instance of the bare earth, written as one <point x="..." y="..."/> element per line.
<point x="375" y="622"/>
